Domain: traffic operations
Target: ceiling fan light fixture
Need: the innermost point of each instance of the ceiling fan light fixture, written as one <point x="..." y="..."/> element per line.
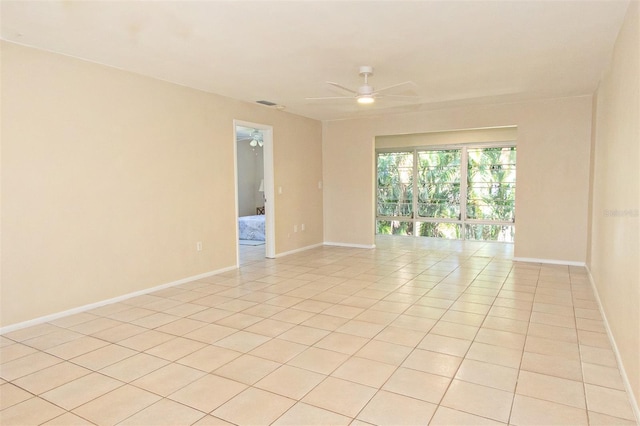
<point x="256" y="139"/>
<point x="366" y="99"/>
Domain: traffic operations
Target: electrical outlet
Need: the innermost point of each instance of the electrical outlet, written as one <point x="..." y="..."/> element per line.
<point x="199" y="246"/>
<point x="295" y="228"/>
<point x="302" y="227"/>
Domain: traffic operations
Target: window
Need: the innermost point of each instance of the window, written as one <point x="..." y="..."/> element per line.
<point x="395" y="193"/>
<point x="491" y="193"/>
<point x="454" y="192"/>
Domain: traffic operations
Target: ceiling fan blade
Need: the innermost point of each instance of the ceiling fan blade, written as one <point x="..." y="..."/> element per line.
<point x="399" y="96"/>
<point x="342" y="87"/>
<point x="330" y="97"/>
<point x="396" y="85"/>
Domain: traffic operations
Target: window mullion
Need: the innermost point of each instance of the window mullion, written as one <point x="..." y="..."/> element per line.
<point x="464" y="169"/>
<point x="415" y="192"/>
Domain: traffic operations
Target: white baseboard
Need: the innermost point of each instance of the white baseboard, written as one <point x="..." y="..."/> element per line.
<point x="612" y="340"/>
<point x="362" y="246"/>
<point x="549" y="261"/>
<point x="51" y="317"/>
<point x="287" y="253"/>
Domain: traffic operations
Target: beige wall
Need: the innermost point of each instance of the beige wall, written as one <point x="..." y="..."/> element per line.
<point x="615" y="218"/>
<point x="553" y="139"/>
<point x="110" y="178"/>
<point x="348" y="171"/>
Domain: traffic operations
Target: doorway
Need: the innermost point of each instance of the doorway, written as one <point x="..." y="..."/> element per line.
<point x="253" y="154"/>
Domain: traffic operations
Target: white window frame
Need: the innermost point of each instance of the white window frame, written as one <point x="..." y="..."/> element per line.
<point x="464" y="158"/>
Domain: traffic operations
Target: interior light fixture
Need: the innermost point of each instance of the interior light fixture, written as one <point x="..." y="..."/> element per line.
<point x="256" y="139"/>
<point x="366" y="99"/>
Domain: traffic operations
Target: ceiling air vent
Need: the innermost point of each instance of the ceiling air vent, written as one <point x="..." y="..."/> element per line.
<point x="267" y="103"/>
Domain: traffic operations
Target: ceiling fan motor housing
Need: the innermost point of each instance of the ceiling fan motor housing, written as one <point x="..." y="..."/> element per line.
<point x="365" y="90"/>
<point x="366" y="70"/>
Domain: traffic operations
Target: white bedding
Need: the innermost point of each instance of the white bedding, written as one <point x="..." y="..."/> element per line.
<point x="251" y="227"/>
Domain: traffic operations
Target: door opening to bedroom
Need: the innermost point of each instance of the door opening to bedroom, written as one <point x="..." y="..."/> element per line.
<point x="253" y="178"/>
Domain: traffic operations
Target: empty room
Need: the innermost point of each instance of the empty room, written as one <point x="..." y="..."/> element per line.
<point x="320" y="212"/>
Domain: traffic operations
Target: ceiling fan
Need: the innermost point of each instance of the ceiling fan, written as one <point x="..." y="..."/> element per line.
<point x="366" y="94"/>
<point x="255" y="139"/>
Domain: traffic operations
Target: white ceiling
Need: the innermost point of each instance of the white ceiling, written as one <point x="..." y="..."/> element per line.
<point x="284" y="51"/>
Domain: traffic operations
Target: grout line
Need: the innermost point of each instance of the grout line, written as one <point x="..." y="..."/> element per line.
<point x="391" y="275"/>
<point x="526" y="337"/>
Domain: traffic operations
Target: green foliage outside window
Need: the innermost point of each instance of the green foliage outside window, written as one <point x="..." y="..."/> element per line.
<point x="491" y="192"/>
<point x="395" y="192"/>
<point x="491" y="177"/>
<point x="439" y="192"/>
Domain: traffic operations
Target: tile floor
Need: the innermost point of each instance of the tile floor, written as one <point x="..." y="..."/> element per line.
<point x="414" y="332"/>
